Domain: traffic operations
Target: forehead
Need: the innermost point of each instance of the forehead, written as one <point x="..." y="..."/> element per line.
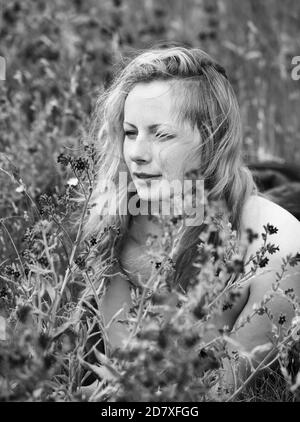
<point x="148" y="101"/>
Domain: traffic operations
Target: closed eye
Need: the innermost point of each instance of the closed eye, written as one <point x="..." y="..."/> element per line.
<point x="164" y="136"/>
<point x="129" y="133"/>
<point x="161" y="136"/>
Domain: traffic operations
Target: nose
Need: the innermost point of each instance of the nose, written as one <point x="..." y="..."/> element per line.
<point x="140" y="150"/>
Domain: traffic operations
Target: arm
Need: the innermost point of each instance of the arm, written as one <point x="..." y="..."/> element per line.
<point x="116" y="297"/>
<point x="259" y="329"/>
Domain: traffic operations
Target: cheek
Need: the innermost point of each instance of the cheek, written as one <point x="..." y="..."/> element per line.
<point x="125" y="152"/>
<point x="169" y="160"/>
<point x="177" y="160"/>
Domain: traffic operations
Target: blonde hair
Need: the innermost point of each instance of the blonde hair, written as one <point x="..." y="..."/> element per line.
<point x="208" y="103"/>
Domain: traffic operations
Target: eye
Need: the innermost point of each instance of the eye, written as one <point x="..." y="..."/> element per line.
<point x="164" y="136"/>
<point x="129" y="133"/>
<point x="161" y="136"/>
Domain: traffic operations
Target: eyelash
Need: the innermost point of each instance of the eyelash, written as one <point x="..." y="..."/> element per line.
<point x="159" y="135"/>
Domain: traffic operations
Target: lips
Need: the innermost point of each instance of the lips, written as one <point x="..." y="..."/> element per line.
<point x="146" y="176"/>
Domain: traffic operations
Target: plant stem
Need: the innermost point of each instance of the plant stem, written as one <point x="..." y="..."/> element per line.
<point x="76" y="243"/>
<point x="14" y="246"/>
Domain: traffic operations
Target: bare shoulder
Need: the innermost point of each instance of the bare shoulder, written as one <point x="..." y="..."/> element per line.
<point x="258" y="212"/>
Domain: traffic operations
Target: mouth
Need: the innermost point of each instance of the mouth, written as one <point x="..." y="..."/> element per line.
<point x="147" y="176"/>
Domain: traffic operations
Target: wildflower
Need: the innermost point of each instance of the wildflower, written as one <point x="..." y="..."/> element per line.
<point x="73" y="181"/>
<point x="271" y="229"/>
<point x="208" y="360"/>
<point x="80" y="164"/>
<point x="272" y="248"/>
<point x="3" y="292"/>
<point x="93" y="241"/>
<point x="20" y="189"/>
<point x="26" y="216"/>
<point x="28" y="235"/>
<point x="294" y="260"/>
<point x="63" y="159"/>
<point x="43" y="261"/>
<point x="226" y="306"/>
<point x="262" y="310"/>
<point x="251" y="235"/>
<point x="171" y="263"/>
<point x="282" y="319"/>
<point x="263" y="262"/>
<point x="289" y="291"/>
<point x="9" y="270"/>
<point x="80" y="262"/>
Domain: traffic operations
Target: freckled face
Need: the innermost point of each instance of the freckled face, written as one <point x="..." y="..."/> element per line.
<point x="155" y="142"/>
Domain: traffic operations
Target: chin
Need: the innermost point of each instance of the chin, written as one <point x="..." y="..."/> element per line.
<point x="157" y="197"/>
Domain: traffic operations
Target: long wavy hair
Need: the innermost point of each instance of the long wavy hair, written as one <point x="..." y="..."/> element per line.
<point x="207" y="101"/>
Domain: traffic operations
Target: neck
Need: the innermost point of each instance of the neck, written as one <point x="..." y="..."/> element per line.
<point x="141" y="226"/>
<point x="159" y="208"/>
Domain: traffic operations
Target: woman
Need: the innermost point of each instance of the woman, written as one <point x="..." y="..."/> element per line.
<point x="170" y="112"/>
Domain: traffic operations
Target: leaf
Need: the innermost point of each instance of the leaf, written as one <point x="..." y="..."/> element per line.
<point x="60" y="330"/>
<point x="262" y="348"/>
<point x="103" y="372"/>
<point x="294" y="260"/>
<point x="13" y="171"/>
<point x="104" y="360"/>
<point x="49" y="289"/>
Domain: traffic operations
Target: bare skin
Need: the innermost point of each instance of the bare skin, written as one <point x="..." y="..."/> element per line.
<point x="257" y="212"/>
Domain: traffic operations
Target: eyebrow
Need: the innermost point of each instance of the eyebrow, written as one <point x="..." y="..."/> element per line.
<point x="151" y="127"/>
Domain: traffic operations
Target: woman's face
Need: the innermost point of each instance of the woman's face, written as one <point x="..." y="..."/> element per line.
<point x="155" y="142"/>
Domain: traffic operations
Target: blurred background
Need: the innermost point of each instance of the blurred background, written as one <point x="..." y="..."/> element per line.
<point x="60" y="54"/>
